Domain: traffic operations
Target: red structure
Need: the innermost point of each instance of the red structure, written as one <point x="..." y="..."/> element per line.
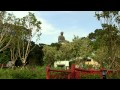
<point x="2" y="65"/>
<point x="73" y="73"/>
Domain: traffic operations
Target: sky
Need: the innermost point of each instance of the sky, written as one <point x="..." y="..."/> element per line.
<point x="78" y="23"/>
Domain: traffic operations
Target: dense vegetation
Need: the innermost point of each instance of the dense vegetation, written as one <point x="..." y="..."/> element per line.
<point x="16" y="34"/>
<point x="31" y="72"/>
<point x="102" y="44"/>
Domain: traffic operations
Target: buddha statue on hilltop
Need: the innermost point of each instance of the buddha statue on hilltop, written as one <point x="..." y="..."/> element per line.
<point x="61" y="38"/>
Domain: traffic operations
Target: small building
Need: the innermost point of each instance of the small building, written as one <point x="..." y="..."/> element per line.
<point x="64" y="64"/>
<point x="92" y="62"/>
<point x="78" y="63"/>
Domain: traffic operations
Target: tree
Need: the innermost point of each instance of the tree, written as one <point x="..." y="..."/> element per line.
<point x="35" y="57"/>
<point x="110" y="21"/>
<point x="6" y="19"/>
<point x="64" y="52"/>
<point x="82" y="47"/>
<point x="4" y="56"/>
<point x="49" y="54"/>
<point x="27" y="28"/>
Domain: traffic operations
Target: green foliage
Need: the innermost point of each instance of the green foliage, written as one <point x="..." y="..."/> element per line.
<point x="87" y="66"/>
<point x="105" y="41"/>
<point x="49" y="54"/>
<point x="37" y="72"/>
<point x="6" y="21"/>
<point x="17" y="33"/>
<point x="23" y="74"/>
<point x="6" y="74"/>
<point x="31" y="72"/>
<point x="90" y="76"/>
<point x="36" y="55"/>
<point x="64" y="52"/>
<point x="115" y="75"/>
<point x="79" y="47"/>
<point x="4" y="56"/>
<point x="56" y="45"/>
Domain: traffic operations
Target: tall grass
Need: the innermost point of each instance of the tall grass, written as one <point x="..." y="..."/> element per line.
<point x="39" y="72"/>
<point x="30" y="72"/>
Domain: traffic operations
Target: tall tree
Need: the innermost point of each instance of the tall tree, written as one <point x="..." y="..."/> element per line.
<point x="110" y="21"/>
<point x="49" y="54"/>
<point x="6" y="19"/>
<point x="29" y="28"/>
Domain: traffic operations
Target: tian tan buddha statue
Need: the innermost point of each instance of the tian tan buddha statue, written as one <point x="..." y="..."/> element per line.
<point x="61" y="38"/>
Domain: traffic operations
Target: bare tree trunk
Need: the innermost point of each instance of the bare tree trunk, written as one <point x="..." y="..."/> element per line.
<point x="3" y="48"/>
<point x="14" y="55"/>
<point x="24" y="54"/>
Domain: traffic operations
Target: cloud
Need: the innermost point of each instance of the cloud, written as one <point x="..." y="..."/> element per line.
<point x="47" y="28"/>
<point x="49" y="32"/>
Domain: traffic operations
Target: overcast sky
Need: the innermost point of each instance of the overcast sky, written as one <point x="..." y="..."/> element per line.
<point x="79" y="23"/>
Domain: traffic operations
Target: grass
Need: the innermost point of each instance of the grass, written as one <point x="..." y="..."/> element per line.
<point x="31" y="72"/>
<point x="39" y="72"/>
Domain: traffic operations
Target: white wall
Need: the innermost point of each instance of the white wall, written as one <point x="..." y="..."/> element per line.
<point x="66" y="63"/>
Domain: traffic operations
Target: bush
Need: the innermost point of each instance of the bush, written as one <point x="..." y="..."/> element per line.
<point x="23" y="74"/>
<point x="4" y="74"/>
<point x="90" y="76"/>
<point x="32" y="72"/>
<point x="115" y="75"/>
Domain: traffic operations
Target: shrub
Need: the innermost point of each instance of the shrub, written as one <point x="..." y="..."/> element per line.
<point x="90" y="76"/>
<point x="23" y="74"/>
<point x="32" y="72"/>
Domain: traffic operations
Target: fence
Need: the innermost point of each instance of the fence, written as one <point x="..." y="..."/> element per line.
<point x="73" y="73"/>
